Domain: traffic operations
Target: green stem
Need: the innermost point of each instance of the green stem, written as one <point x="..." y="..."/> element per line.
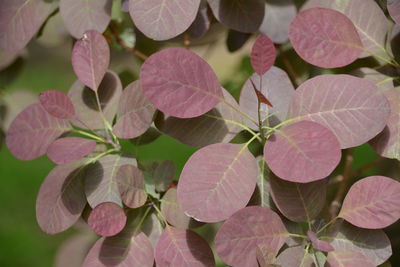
<point x="95" y="137"/>
<point x="160" y="214"/>
<point x="142" y="220"/>
<point x="299" y="236"/>
<point x="100" y="156"/>
<point x="328" y="224"/>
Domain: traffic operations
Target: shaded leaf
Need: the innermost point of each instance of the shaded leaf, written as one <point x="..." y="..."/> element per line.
<point x="382" y="81"/>
<point x="61" y="198"/>
<point x="180" y="83"/>
<point x="202" y="22"/>
<point x="90" y="58"/>
<point x="352" y="108"/>
<point x="135" y="113"/>
<point x="147" y="137"/>
<point x="209" y="182"/>
<point x="295" y="256"/>
<point x="163" y="19"/>
<point x="15" y="102"/>
<point x="302" y="152"/>
<point x="348" y="258"/>
<point x="57" y="104"/>
<point x="313" y="40"/>
<point x="239" y="237"/>
<point x="236" y="40"/>
<point x="72" y="251"/>
<point x="33" y="131"/>
<point x="82" y="15"/>
<point x="372" y="203"/>
<point x="298" y="202"/>
<point x="163" y="175"/>
<point x="265" y="257"/>
<point x="107" y="219"/>
<point x="321" y="245"/>
<point x="261" y="195"/>
<point x="394" y="10"/>
<point x="152" y="228"/>
<point x="263" y="54"/>
<point x="67" y="149"/>
<point x="184" y="248"/>
<point x="131" y="186"/>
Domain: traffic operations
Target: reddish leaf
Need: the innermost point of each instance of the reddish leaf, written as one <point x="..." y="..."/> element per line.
<point x="295" y="256"/>
<point x="325" y="38"/>
<point x="348" y="258"/>
<point x="90" y="58"/>
<point x="107" y="219"/>
<point x="372" y="203"/>
<point x="57" y="104"/>
<point x="319" y="244"/>
<point x="209" y="182"/>
<point x="32" y="132"/>
<point x="263" y="54"/>
<point x="261" y="98"/>
<point x="238" y="238"/>
<point x="394" y="10"/>
<point x="183" y="248"/>
<point x="382" y="81"/>
<point x="265" y="257"/>
<point x="61" y="198"/>
<point x="65" y="150"/>
<point x="135" y="113"/>
<point x="131" y="186"/>
<point x="302" y="152"/>
<point x="180" y="83"/>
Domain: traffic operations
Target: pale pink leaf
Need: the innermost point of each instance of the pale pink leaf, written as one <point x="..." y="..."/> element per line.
<point x="263" y="54"/>
<point x="73" y="251"/>
<point x="321" y="245"/>
<point x="67" y="149"/>
<point x="295" y="256"/>
<point x="131" y="186"/>
<point x="394" y="10"/>
<point x="107" y="219"/>
<point x="348" y="258"/>
<point x="57" y="104"/>
<point x="382" y="81"/>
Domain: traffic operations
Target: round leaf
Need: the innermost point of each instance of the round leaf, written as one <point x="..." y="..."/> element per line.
<point x="180" y="83"/>
<point x="348" y="258"/>
<point x="325" y="38"/>
<point x="372" y="203"/>
<point x="107" y="219"/>
<point x="302" y="152"/>
<point x="263" y="54"/>
<point x="68" y="149"/>
<point x="131" y="186"/>
<point x="57" y="104"/>
<point x="217" y="181"/>
<point x="239" y="237"/>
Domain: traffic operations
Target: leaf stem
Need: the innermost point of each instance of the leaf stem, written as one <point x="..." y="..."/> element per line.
<point x="238" y="110"/>
<point x="299" y="236"/>
<point x="100" y="156"/>
<point x="142" y="220"/>
<point x="95" y="137"/>
<point x="328" y="224"/>
<point x="160" y="214"/>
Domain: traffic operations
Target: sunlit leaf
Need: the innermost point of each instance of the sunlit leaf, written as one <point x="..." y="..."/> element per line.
<point x="107" y="219"/>
<point x="238" y="238"/>
<point x="382" y="81"/>
<point x="262" y="195"/>
<point x="72" y="251"/>
<point x="163" y="19"/>
<point x="180" y="83"/>
<point x="184" y="248"/>
<point x="325" y="38"/>
<point x="372" y="203"/>
<point x="61" y="198"/>
<point x="82" y="15"/>
<point x="67" y="149"/>
<point x="57" y="104"/>
<point x="263" y="54"/>
<point x="302" y="152"/>
<point x="265" y="257"/>
<point x="348" y="258"/>
<point x="131" y="186"/>
<point x="33" y="131"/>
<point x="135" y="112"/>
<point x="217" y="181"/>
<point x="321" y="245"/>
<point x="352" y="108"/>
<point x="90" y="58"/>
<point x="295" y="256"/>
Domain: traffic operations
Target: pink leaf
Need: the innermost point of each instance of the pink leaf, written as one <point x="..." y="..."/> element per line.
<point x="65" y="150"/>
<point x="57" y="104"/>
<point x="131" y="186"/>
<point x="107" y="219"/>
<point x="263" y="54"/>
<point x="73" y="250"/>
<point x="319" y="244"/>
<point x="348" y="258"/>
<point x="394" y="10"/>
<point x="295" y="256"/>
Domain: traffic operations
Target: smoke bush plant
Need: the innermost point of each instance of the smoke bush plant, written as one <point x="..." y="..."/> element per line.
<point x="270" y="203"/>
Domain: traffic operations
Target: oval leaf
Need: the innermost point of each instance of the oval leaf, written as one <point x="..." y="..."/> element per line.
<point x="295" y="256"/>
<point x="135" y="113"/>
<point x="382" y="81"/>
<point x="202" y="22"/>
<point x="107" y="219"/>
<point x="57" y="104"/>
<point x="163" y="19"/>
<point x="131" y="186"/>
<point x="61" y="198"/>
<point x="263" y="54"/>
<point x="372" y="203"/>
<point x="90" y="58"/>
<point x="348" y="258"/>
<point x="313" y="40"/>
<point x="298" y="202"/>
<point x="209" y="182"/>
<point x="352" y="108"/>
<point x="321" y="245"/>
<point x="183" y="248"/>
<point x="180" y="83"/>
<point x="82" y="15"/>
<point x="72" y="251"/>
<point x="302" y="152"/>
<point x="239" y="237"/>
<point x="153" y="228"/>
<point x="33" y="131"/>
<point x="65" y="150"/>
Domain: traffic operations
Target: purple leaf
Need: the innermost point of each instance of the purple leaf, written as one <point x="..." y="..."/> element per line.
<point x="20" y="20"/>
<point x="82" y="15"/>
<point x="209" y="182"/>
<point x="210" y="128"/>
<point x="261" y="195"/>
<point x="374" y="244"/>
<point x="84" y="99"/>
<point x="240" y="15"/>
<point x="152" y="228"/>
<point x="107" y="219"/>
<point x="135" y="113"/>
<point x="302" y="152"/>
<point x="65" y="150"/>
<point x="61" y="198"/>
<point x="276" y="86"/>
<point x="348" y="258"/>
<point x="101" y="179"/>
<point x="263" y="54"/>
<point x="352" y="108"/>
<point x="180" y="83"/>
<point x="131" y="186"/>
<point x="15" y="102"/>
<point x="295" y="256"/>
<point x="163" y="175"/>
<point x="90" y="58"/>
<point x="236" y="40"/>
<point x="325" y="38"/>
<point x="265" y="257"/>
<point x="372" y="203"/>
<point x="298" y="202"/>
<point x="57" y="104"/>
<point x="321" y="245"/>
<point x="238" y="238"/>
<point x="382" y="81"/>
<point x="394" y="10"/>
<point x="163" y="19"/>
<point x="33" y="131"/>
<point x="202" y="22"/>
<point x="277" y="20"/>
<point x="183" y="248"/>
<point x="72" y="251"/>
